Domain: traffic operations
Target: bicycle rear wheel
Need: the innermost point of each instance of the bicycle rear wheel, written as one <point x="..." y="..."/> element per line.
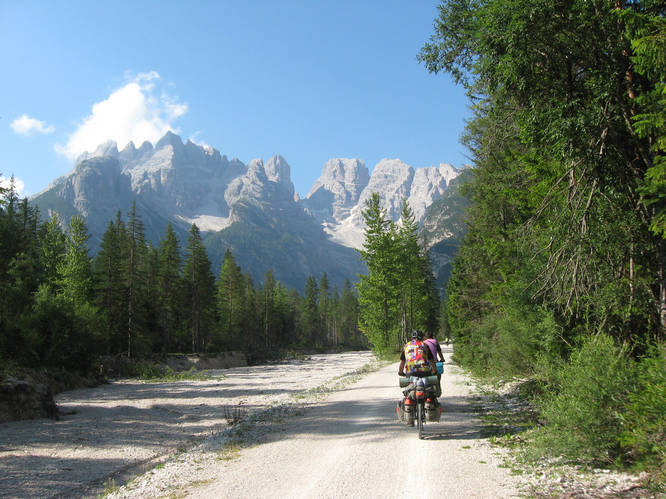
<point x="419" y="418"/>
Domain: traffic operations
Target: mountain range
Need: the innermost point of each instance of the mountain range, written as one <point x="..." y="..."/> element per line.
<point x="253" y="209"/>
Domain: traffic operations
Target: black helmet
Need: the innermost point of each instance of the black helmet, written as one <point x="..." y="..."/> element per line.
<point x="417" y="334"/>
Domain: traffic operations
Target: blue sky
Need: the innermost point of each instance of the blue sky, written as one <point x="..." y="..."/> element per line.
<point x="310" y="80"/>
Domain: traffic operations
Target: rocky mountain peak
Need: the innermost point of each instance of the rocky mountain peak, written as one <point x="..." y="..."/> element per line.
<point x="108" y="148"/>
<point x="392" y="179"/>
<point x="170" y="139"/>
<point x="338" y="188"/>
<point x="278" y="170"/>
<point x="428" y="185"/>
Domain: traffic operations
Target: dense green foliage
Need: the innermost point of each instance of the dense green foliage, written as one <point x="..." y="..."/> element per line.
<point x="61" y="307"/>
<point x="398" y="293"/>
<point x="562" y="272"/>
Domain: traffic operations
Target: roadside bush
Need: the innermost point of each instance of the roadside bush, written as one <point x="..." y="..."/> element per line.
<point x="508" y="343"/>
<point x="582" y="413"/>
<point x="644" y="418"/>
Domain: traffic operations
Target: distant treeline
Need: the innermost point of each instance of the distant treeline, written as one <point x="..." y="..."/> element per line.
<point x="61" y="307"/>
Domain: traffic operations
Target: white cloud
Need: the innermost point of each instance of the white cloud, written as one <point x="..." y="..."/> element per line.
<point x="25" y="125"/>
<point x="134" y="112"/>
<point x="19" y="186"/>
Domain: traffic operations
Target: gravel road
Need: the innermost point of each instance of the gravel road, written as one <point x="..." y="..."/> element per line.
<point x="351" y="445"/>
<point x="348" y="444"/>
<point x="314" y="428"/>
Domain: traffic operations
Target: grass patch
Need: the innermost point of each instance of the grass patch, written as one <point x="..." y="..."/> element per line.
<point x="110" y="487"/>
<point x="152" y="371"/>
<point x="155" y="373"/>
<point x="231" y="451"/>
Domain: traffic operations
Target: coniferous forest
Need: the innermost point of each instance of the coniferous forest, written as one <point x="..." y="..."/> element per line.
<point x="561" y="278"/>
<point x="63" y="308"/>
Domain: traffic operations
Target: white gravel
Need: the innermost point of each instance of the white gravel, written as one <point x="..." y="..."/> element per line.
<point x="115" y="431"/>
<point x="348" y="444"/>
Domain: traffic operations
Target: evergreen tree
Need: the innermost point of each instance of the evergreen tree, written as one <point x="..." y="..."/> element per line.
<point x="310" y="319"/>
<point x="110" y="286"/>
<point x="75" y="269"/>
<point x="199" y="288"/>
<point x="379" y="289"/>
<point x="135" y="278"/>
<point x="52" y="248"/>
<point x="169" y="288"/>
<point x="349" y="311"/>
<point x="229" y="300"/>
<point x="335" y="315"/>
<point x="325" y="309"/>
<point x="414" y="269"/>
<point x="251" y="317"/>
<point x="268" y="312"/>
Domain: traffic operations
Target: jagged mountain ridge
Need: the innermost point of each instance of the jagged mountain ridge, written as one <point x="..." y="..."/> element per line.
<point x="251" y="209"/>
<point x="338" y="197"/>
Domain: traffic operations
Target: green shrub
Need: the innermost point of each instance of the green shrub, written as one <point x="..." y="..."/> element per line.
<point x="582" y="415"/>
<point x="508" y="343"/>
<point x="644" y="417"/>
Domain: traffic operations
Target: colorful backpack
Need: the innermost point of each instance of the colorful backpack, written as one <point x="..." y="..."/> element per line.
<point x="416" y="360"/>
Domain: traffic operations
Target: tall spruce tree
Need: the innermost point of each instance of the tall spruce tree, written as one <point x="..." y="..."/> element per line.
<point x="230" y="290"/>
<point x="199" y="288"/>
<point x="52" y="248"/>
<point x="379" y="289"/>
<point x="310" y="318"/>
<point x="268" y="309"/>
<point x="75" y="269"/>
<point x="325" y="309"/>
<point x="110" y="285"/>
<point x="349" y="312"/>
<point x="135" y="263"/>
<point x="169" y="289"/>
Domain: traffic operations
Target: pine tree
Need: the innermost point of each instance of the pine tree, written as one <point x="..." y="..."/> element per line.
<point x="199" y="287"/>
<point x="379" y="289"/>
<point x="52" y="248"/>
<point x="74" y="270"/>
<point x="110" y="285"/>
<point x="411" y="269"/>
<point x="310" y="317"/>
<point x="251" y="318"/>
<point x="349" y="315"/>
<point x="324" y="309"/>
<point x="268" y="295"/>
<point x="230" y="300"/>
<point x="135" y="278"/>
<point x="169" y="288"/>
